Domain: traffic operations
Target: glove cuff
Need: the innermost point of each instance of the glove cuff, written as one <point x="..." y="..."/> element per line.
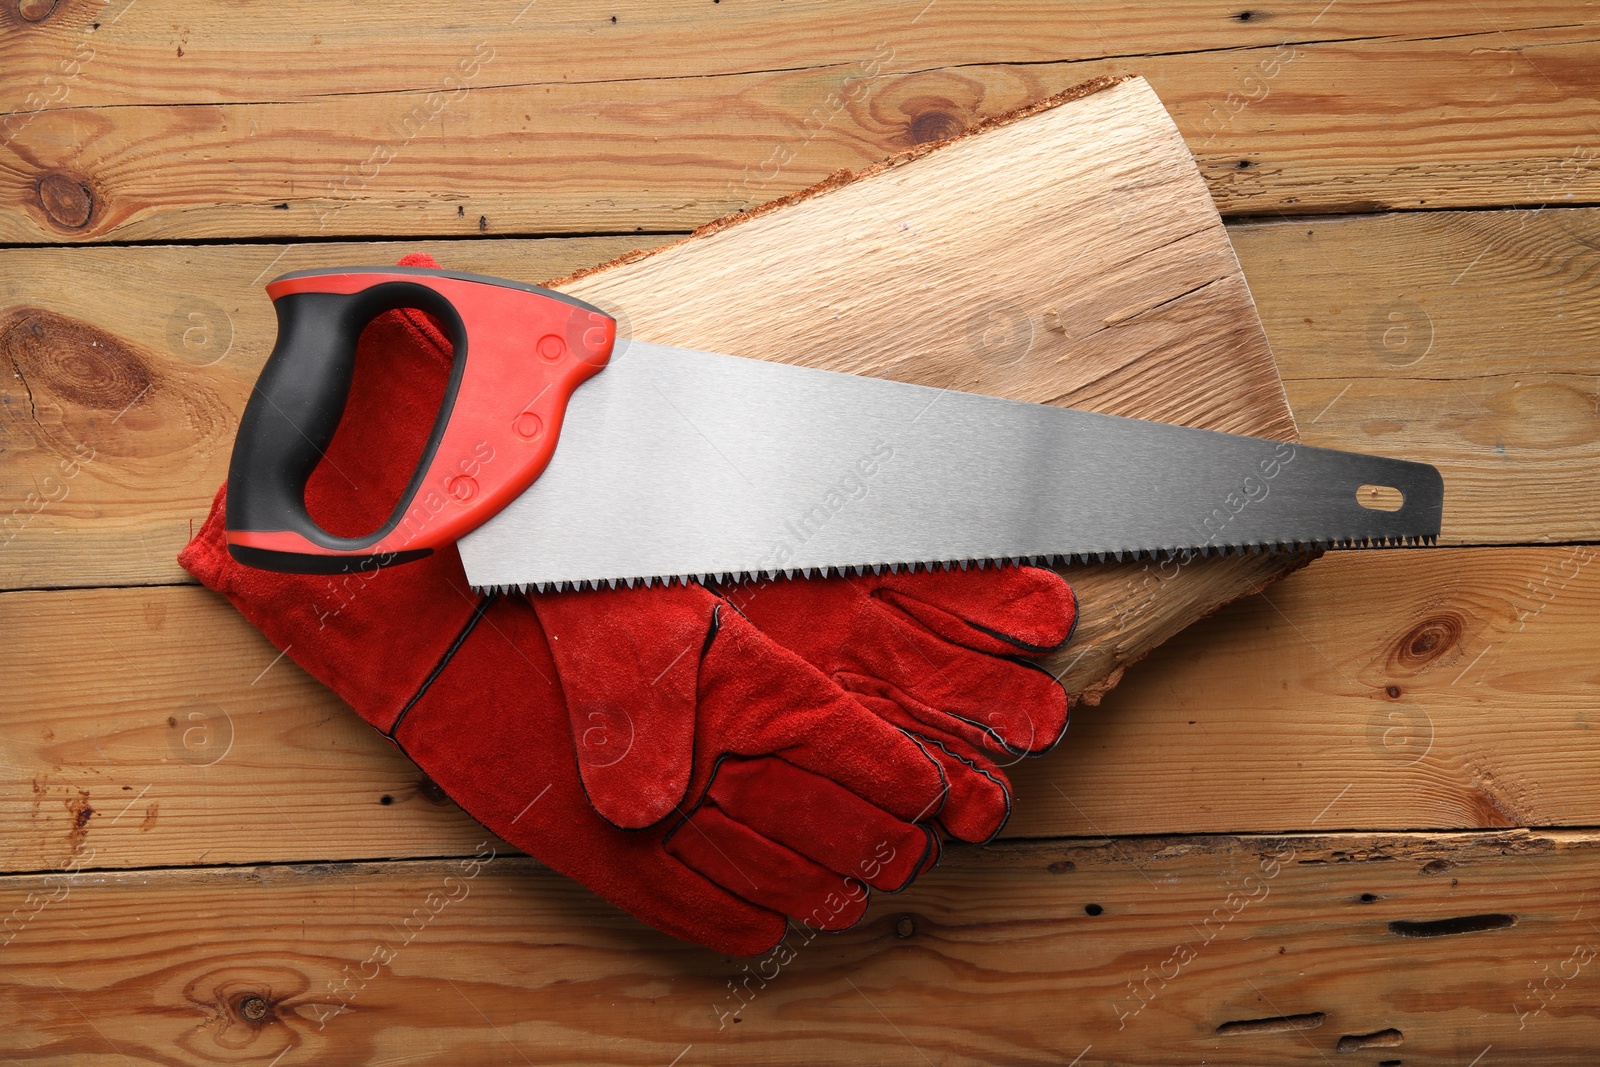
<point x="374" y="637"/>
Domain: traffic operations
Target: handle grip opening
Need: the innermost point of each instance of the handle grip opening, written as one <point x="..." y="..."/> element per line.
<point x="519" y="352"/>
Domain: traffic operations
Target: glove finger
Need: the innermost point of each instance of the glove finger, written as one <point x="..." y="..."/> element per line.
<point x="1001" y="706"/>
<point x="978" y="801"/>
<point x="758" y="698"/>
<point x="822" y="821"/>
<point x="841" y="627"/>
<point x="998" y="610"/>
<point x="765" y="872"/>
<point x="980" y="797"/>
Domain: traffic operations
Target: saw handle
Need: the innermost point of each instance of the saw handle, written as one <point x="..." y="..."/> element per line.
<point x="519" y="352"/>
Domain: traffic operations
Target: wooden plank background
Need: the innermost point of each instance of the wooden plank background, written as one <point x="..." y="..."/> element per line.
<point x="1352" y="815"/>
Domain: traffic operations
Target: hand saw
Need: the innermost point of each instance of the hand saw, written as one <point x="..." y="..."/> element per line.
<point x="561" y="456"/>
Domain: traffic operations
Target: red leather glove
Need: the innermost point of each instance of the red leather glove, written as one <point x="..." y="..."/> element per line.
<point x="649" y="743"/>
<point x="941" y="655"/>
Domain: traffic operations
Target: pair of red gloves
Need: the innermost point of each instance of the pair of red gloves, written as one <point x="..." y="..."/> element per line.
<point x="714" y="762"/>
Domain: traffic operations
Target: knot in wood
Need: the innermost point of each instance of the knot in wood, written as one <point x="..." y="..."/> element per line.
<point x="67" y="202"/>
<point x="36" y="10"/>
<point x="253" y="1007"/>
<point x="935" y="126"/>
<point x="1428" y="640"/>
<point x="67" y="360"/>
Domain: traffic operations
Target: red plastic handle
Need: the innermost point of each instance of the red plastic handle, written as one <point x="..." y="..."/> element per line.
<point x="520" y="351"/>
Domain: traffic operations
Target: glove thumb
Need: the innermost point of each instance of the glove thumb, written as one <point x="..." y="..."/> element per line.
<point x="630" y="673"/>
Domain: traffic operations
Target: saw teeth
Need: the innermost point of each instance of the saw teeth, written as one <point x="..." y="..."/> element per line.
<point x="982" y="563"/>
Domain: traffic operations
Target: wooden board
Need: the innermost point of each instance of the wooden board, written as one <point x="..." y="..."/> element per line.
<point x="1113" y="249"/>
<point x="228" y="61"/>
<point x="533" y="125"/>
<point x="1427" y="949"/>
<point x="172" y="733"/>
<point x="1376" y="323"/>
<point x="1464" y="338"/>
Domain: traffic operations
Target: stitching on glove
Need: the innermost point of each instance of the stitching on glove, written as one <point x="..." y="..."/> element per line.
<point x="1023" y="645"/>
<point x="438" y="668"/>
<point x="930" y="848"/>
<point x="711" y="630"/>
<point x="852" y="683"/>
<point x="944" y="779"/>
<point x="700" y="802"/>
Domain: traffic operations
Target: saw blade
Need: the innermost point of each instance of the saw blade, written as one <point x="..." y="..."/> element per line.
<point x="675" y="464"/>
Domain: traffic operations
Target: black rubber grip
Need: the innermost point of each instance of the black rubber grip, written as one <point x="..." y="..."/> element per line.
<point x="295" y="409"/>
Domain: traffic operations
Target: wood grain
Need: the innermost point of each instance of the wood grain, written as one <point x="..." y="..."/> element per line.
<point x="1152" y="951"/>
<point x="514" y="131"/>
<point x="1440" y="689"/>
<point x="125" y="371"/>
<point x="1428" y="688"/>
<point x="1469" y="340"/>
<point x="1464" y="339"/>
<point x="160" y="724"/>
<point x="907" y="272"/>
<point x="228" y="60"/>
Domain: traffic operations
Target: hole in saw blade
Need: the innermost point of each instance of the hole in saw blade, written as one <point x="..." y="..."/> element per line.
<point x="1380" y="497"/>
